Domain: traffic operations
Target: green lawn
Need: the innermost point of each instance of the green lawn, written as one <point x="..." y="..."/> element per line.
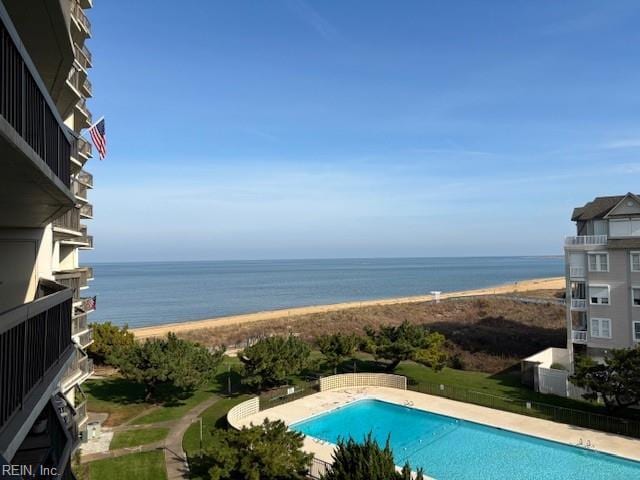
<point x="504" y="384"/>
<point x="176" y="408"/>
<point x="121" y="399"/>
<point x="138" y="466"/>
<point x="133" y="438"/>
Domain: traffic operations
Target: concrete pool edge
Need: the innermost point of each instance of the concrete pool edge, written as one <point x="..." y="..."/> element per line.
<point x="311" y="406"/>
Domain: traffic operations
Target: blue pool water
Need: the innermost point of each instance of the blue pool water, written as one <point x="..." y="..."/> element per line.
<point x="452" y="449"/>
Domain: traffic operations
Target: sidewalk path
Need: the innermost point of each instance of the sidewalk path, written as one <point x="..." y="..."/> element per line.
<point x="174" y="456"/>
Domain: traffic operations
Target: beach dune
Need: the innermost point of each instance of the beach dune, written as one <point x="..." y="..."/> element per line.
<point x="554" y="283"/>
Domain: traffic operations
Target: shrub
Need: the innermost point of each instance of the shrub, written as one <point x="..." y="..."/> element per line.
<point x="270" y="361"/>
<point x="409" y="342"/>
<point x="617" y="380"/>
<point x="266" y="452"/>
<point x="179" y="363"/>
<point x="108" y="338"/>
<point x="366" y="461"/>
<point x="337" y="348"/>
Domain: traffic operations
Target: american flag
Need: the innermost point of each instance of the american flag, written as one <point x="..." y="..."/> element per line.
<point x="99" y="137"/>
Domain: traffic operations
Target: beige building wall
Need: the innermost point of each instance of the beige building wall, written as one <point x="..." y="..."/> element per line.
<point x="26" y="255"/>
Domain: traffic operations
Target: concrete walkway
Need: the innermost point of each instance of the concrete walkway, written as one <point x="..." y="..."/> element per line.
<point x="174" y="456"/>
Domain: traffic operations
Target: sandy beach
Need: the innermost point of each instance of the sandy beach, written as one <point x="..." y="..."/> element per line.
<point x="553" y="283"/>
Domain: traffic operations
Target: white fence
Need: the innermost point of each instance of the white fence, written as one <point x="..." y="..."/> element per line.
<point x="363" y="380"/>
<point x="243" y="410"/>
<point x="553" y="381"/>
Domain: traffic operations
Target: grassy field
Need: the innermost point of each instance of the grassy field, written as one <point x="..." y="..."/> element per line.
<point x="176" y="409"/>
<point x="120" y="398"/>
<point x="138" y="466"/>
<point x="133" y="438"/>
<point x="504" y="384"/>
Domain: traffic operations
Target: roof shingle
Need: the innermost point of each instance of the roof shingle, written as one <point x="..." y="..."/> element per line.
<point x="597" y="208"/>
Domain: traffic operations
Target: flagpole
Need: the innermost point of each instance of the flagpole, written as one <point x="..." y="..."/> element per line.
<point x="97" y="122"/>
<point x="91" y="126"/>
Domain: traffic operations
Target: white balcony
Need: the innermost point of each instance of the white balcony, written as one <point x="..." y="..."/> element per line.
<point x="579" y="304"/>
<point x="585" y="240"/>
<point x="579" y="336"/>
<point x="576" y="272"/>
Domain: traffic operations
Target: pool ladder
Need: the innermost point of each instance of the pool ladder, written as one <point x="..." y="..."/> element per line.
<point x="586" y="444"/>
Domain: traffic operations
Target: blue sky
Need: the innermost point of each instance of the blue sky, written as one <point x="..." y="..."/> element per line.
<point x="310" y="129"/>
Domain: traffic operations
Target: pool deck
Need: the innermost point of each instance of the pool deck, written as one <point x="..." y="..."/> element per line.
<point x="322" y="402"/>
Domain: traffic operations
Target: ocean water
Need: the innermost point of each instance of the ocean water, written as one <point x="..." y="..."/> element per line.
<point x="452" y="449"/>
<point x="140" y="294"/>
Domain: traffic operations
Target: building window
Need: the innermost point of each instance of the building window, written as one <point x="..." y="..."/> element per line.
<point x="599" y="295"/>
<point x="601" y="328"/>
<point x="635" y="296"/>
<point x="598" y="262"/>
<point x="635" y="261"/>
<point x="636" y="331"/>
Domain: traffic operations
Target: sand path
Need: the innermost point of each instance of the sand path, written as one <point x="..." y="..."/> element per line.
<point x="553" y="283"/>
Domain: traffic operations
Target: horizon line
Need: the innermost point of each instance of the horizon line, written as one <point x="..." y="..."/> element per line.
<point x="323" y="258"/>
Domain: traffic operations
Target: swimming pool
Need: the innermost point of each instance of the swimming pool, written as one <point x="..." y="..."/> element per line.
<point x="452" y="449"/>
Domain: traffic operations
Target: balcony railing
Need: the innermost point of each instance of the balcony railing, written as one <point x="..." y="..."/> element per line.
<point x="586" y="240"/>
<point x="85" y="339"/>
<point x="87" y="241"/>
<point x="84" y="147"/>
<point x="87" y="305"/>
<point x="86" y="210"/>
<point x="88" y="272"/>
<point x="79" y="324"/>
<point x="89" y="367"/>
<point x="83" y="56"/>
<point x="87" y="86"/>
<point x="85" y="178"/>
<point x="579" y="336"/>
<point x="81" y="412"/>
<point x="69" y="221"/>
<point x="79" y="190"/>
<point x="81" y="366"/>
<point x="71" y="282"/>
<point x="34" y="339"/>
<point x="74" y="78"/>
<point x="578" y="304"/>
<point x="576" y="272"/>
<point x="81" y="18"/>
<point x="25" y="105"/>
<point x="82" y="106"/>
